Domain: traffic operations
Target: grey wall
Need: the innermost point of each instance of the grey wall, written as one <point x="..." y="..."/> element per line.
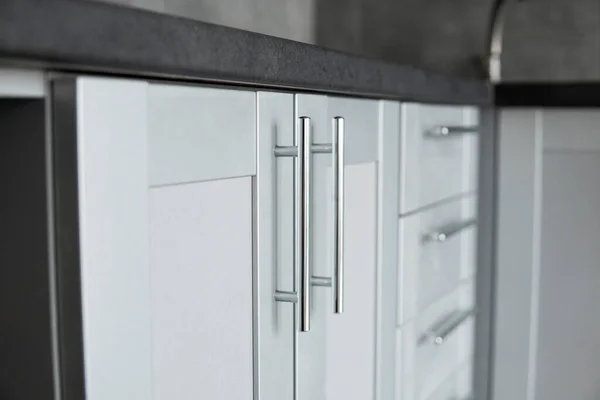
<point x="290" y="19"/>
<point x="544" y="39"/>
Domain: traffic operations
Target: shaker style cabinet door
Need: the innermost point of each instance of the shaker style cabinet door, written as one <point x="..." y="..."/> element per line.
<point x="327" y="297"/>
<point x="359" y="227"/>
<point x="155" y="250"/>
<point x="345" y="211"/>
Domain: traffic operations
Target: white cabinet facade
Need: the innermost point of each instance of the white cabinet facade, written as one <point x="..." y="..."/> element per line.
<point x="223" y="243"/>
<point x="437" y="252"/>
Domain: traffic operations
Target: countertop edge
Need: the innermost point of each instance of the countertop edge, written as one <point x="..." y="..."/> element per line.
<point x="97" y="37"/>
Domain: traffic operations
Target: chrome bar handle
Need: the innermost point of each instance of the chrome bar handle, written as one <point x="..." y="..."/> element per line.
<point x="446" y="232"/>
<point x="445" y="130"/>
<point x="303" y="193"/>
<point x="447" y="329"/>
<point x="337" y="151"/>
<point x="301" y="151"/>
<point x="439" y="333"/>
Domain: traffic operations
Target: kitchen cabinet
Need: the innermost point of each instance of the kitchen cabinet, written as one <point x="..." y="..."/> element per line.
<point x="547" y="297"/>
<point x="244" y="257"/>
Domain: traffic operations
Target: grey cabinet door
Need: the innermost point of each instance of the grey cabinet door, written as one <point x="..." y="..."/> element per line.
<point x="155" y="240"/>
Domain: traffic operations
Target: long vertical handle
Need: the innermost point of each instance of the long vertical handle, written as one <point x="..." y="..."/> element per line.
<point x="338" y="215"/>
<point x="303" y="193"/>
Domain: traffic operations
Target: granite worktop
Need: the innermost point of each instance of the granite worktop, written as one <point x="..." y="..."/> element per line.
<point x="76" y="35"/>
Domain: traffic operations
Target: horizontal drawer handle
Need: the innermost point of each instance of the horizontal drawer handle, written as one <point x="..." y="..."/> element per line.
<point x="447" y="130"/>
<point x="439" y="333"/>
<point x="446" y="232"/>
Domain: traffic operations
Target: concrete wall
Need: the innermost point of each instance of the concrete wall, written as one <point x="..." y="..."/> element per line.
<point x="544" y="39"/>
<point x="553" y="40"/>
<point x="290" y="19"/>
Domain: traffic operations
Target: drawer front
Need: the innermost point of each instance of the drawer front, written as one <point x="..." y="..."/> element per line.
<point x="430" y="266"/>
<point x="436" y="167"/>
<point x="457" y="387"/>
<point x="435" y="345"/>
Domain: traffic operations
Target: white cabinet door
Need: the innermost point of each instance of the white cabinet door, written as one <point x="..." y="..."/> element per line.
<point x="156" y="256"/>
<point x="334" y="356"/>
<point x="351" y="354"/>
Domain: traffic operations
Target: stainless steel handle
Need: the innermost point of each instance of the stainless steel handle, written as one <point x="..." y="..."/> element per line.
<point x="338" y="150"/>
<point x="445" y="130"/>
<point x="302" y="170"/>
<point x="446" y="232"/>
<point x="303" y="164"/>
<point x="440" y="332"/>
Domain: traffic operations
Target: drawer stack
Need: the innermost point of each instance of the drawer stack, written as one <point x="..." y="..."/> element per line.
<point x="437" y="252"/>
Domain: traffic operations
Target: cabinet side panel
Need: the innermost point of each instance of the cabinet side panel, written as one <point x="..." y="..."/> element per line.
<point x="25" y="321"/>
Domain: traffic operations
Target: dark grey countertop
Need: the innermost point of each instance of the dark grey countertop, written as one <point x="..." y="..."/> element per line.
<point x="79" y="35"/>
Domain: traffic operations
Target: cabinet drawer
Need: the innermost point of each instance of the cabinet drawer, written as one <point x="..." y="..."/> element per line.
<point x="437" y="343"/>
<point x="430" y="264"/>
<point x="435" y="166"/>
<point x="458" y="386"/>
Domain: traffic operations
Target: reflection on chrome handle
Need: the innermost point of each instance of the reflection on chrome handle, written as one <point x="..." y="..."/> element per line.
<point x="447" y="231"/>
<point x="338" y="214"/>
<point x="445" y="130"/>
<point x="303" y="164"/>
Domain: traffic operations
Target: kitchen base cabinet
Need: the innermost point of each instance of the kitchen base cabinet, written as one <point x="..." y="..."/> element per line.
<point x="199" y="255"/>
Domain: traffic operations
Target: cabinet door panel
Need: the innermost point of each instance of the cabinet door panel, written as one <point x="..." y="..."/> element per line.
<point x="350" y="337"/>
<point x="201" y="263"/>
<point x="199" y="133"/>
